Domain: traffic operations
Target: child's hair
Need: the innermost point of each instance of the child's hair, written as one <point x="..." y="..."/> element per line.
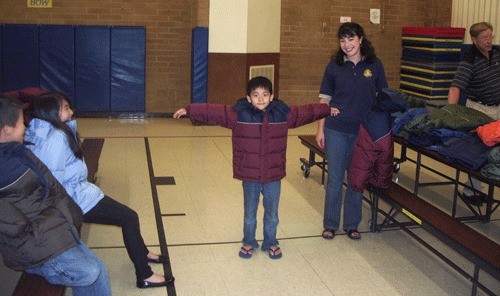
<point x="10" y="109"/>
<point x="259" y="81"/>
<point x="351" y="30"/>
<point x="47" y="107"/>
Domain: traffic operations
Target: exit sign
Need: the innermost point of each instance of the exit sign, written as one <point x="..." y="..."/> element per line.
<point x="39" y="3"/>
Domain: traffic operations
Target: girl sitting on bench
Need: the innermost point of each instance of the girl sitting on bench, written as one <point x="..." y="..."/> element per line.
<point x="54" y="139"/>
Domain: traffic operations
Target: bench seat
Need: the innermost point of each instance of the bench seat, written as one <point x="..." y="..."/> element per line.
<point x="474" y="246"/>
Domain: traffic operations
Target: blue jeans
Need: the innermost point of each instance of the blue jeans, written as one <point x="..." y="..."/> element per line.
<point x="79" y="268"/>
<point x="339" y="147"/>
<point x="271" y="196"/>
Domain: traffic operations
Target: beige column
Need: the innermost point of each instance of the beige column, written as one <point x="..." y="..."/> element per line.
<point x="243" y="35"/>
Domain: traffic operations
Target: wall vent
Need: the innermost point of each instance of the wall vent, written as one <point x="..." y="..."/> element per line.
<point x="262" y="70"/>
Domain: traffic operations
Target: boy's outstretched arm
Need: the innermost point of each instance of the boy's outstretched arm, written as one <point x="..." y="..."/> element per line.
<point x="304" y="114"/>
<point x="180" y="112"/>
<point x="214" y="114"/>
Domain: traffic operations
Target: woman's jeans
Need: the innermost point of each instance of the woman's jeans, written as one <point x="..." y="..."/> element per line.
<point x="78" y="268"/>
<point x="110" y="212"/>
<point x="339" y="147"/>
<point x="271" y="196"/>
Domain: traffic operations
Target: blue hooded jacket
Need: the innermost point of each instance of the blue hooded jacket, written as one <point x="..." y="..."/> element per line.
<point x="52" y="147"/>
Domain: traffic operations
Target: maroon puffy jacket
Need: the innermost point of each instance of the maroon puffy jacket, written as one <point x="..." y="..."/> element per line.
<point x="372" y="161"/>
<point x="372" y="158"/>
<point x="259" y="137"/>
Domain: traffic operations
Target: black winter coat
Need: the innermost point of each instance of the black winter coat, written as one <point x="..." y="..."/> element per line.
<point x="38" y="220"/>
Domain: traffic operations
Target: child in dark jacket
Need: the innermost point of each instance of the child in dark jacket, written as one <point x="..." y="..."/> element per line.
<point x="259" y="125"/>
<point x="39" y="221"/>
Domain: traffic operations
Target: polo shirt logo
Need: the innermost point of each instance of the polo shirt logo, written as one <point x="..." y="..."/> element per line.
<point x="367" y="73"/>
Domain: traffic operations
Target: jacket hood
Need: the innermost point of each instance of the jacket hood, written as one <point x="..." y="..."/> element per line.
<point x="10" y="167"/>
<point x="243" y="104"/>
<point x="390" y="101"/>
<point x="39" y="130"/>
<point x="277" y="111"/>
<point x="14" y="162"/>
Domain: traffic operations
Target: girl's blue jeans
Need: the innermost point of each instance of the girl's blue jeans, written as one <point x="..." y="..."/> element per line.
<point x="271" y="195"/>
<point x="339" y="147"/>
<point x="78" y="268"/>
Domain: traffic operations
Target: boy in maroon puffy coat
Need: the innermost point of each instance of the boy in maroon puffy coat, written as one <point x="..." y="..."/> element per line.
<point x="259" y="125"/>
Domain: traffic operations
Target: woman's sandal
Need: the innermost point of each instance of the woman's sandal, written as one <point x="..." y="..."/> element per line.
<point x="353" y="234"/>
<point x="273" y="254"/>
<point x="246" y="253"/>
<point x="328" y="233"/>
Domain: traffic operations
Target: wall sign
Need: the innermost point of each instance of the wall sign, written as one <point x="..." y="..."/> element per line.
<point x="39" y="3"/>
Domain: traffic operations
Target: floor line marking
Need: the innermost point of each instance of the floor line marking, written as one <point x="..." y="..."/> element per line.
<point x="167" y="268"/>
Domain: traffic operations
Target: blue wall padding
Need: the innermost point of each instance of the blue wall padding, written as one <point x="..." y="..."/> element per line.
<point x="128" y="64"/>
<point x="1" y="64"/>
<point x="19" y="57"/>
<point x="92" y="68"/>
<point x="100" y="68"/>
<point x="57" y="59"/>
<point x="199" y="70"/>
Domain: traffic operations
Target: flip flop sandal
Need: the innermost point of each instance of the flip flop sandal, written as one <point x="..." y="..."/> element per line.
<point x="246" y="253"/>
<point x="273" y="253"/>
<point x="353" y="234"/>
<point x="328" y="233"/>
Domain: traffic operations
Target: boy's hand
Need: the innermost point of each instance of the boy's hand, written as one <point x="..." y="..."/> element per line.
<point x="179" y="113"/>
<point x="334" y="111"/>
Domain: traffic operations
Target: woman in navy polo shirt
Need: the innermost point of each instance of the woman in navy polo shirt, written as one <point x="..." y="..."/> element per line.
<point x="350" y="83"/>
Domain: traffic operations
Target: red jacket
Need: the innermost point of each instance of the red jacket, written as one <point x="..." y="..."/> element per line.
<point x="372" y="161"/>
<point x="259" y="137"/>
<point x="372" y="158"/>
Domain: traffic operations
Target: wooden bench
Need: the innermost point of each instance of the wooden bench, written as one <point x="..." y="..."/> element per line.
<point x="477" y="248"/>
<point x="92" y="148"/>
<point x="310" y="142"/>
<point x="34" y="285"/>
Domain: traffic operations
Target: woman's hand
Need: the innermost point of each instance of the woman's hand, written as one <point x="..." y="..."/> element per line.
<point x="320" y="139"/>
<point x="334" y="111"/>
<point x="179" y="113"/>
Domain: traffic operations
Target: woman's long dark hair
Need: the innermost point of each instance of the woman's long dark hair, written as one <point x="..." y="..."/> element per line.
<point x="47" y="107"/>
<point x="351" y="30"/>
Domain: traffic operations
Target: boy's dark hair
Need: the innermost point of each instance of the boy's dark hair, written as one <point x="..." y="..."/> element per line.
<point x="350" y="30"/>
<point x="259" y="81"/>
<point x="47" y="107"/>
<point x="10" y="109"/>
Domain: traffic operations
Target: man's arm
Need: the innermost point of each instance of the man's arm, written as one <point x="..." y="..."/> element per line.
<point x="453" y="95"/>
